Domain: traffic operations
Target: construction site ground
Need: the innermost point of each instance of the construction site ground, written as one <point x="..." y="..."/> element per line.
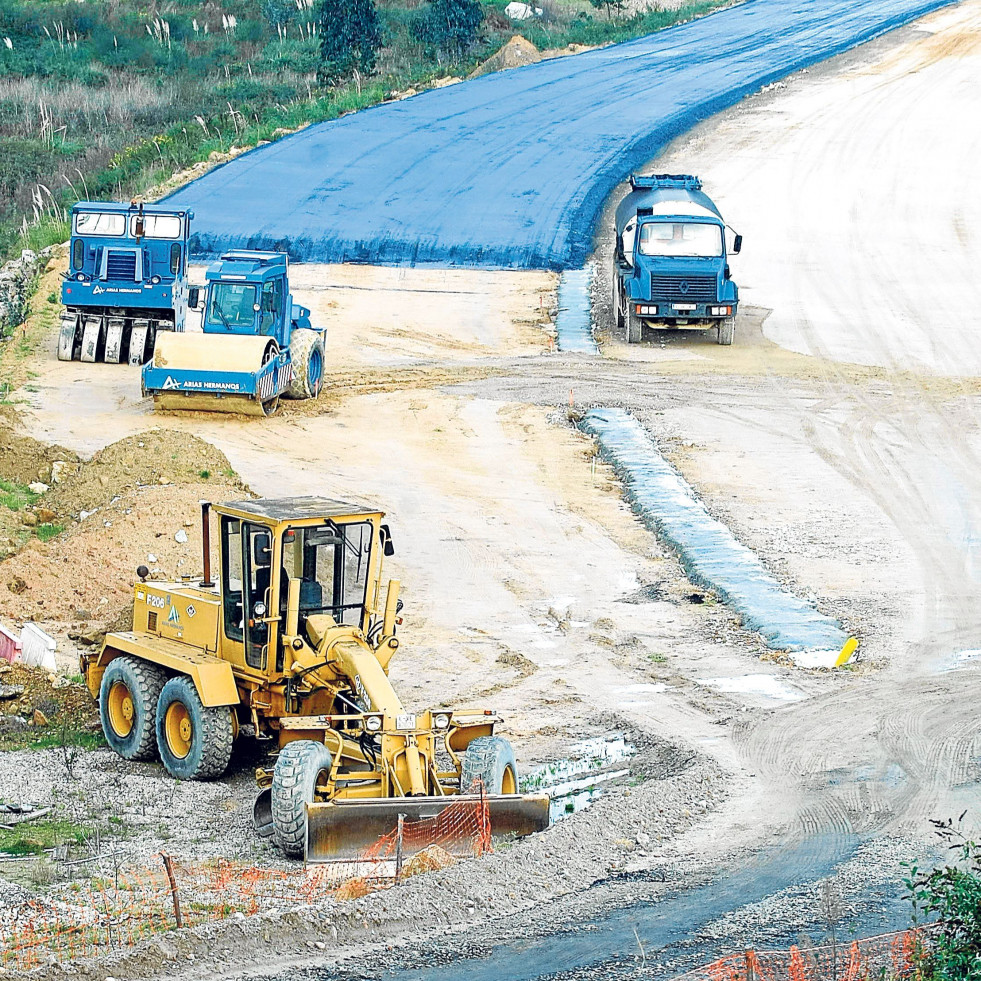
<point x="838" y="438"/>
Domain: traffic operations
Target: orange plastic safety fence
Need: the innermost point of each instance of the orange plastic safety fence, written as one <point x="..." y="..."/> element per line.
<point x="893" y="955"/>
<point x="122" y="910"/>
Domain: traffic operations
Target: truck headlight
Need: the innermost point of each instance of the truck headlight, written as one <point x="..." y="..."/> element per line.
<point x="155" y="280"/>
<point x="646" y="311"/>
<point x="373" y="723"/>
<point x="441" y="720"/>
<point x="80" y="277"/>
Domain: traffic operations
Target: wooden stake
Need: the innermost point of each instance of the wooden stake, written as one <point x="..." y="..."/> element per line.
<point x="168" y="865"/>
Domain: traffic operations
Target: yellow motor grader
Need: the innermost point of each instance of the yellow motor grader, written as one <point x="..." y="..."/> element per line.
<point x="293" y="643"/>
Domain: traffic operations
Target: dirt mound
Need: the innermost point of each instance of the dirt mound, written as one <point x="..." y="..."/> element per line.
<point x="64" y="707"/>
<point x="23" y="459"/>
<point x="517" y="52"/>
<point x="158" y="457"/>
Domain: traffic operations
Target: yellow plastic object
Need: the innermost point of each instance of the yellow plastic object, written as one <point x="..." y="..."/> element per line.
<point x="851" y="645"/>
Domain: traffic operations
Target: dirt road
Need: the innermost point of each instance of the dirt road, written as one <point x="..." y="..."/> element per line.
<point x="838" y="437"/>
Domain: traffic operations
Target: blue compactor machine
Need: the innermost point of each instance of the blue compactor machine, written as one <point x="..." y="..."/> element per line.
<point x="671" y="259"/>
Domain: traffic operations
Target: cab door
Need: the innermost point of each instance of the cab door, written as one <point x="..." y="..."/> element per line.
<point x="247" y="572"/>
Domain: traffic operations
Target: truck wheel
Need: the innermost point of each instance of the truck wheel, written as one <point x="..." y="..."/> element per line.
<point x="301" y="765"/>
<point x="726" y="330"/>
<point x="489" y="760"/>
<point x="195" y="742"/>
<point x="128" y="706"/>
<point x="635" y="329"/>
<point x="619" y="300"/>
<point x="307" y="354"/>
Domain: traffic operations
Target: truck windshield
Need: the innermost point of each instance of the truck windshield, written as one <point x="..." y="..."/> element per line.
<point x="232" y="305"/>
<point x="332" y="567"/>
<point x="158" y="226"/>
<point x="687" y="238"/>
<point x="99" y="223"/>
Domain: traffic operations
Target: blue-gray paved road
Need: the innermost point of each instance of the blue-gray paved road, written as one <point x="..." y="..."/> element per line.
<point x="511" y="169"/>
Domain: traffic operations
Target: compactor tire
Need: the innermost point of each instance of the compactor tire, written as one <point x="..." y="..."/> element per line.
<point x="727" y="328"/>
<point x="128" y="697"/>
<point x="194" y="742"/>
<point x="489" y="759"/>
<point x="301" y="765"/>
<point x="307" y="354"/>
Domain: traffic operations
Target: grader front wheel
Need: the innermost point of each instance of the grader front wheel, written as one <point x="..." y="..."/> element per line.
<point x="489" y="763"/>
<point x="128" y="706"/>
<point x="301" y="766"/>
<point x="195" y="742"/>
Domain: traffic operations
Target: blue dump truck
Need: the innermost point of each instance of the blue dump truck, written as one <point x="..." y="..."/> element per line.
<point x="670" y="259"/>
<point x="255" y="345"/>
<point x="126" y="280"/>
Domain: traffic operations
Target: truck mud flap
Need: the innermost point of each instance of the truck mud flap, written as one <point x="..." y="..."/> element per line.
<point x="68" y="339"/>
<point x="138" y="353"/>
<point x="93" y="339"/>
<point x="345" y="829"/>
<point x="115" y="334"/>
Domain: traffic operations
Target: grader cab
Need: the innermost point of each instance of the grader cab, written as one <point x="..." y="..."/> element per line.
<point x="292" y="642"/>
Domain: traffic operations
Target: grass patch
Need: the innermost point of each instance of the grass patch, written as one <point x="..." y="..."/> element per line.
<point x="14" y="496"/>
<point x="53" y="738"/>
<point x="35" y="837"/>
<point x="46" y="532"/>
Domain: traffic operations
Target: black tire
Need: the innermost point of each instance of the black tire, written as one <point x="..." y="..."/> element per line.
<point x="307" y="354"/>
<point x="619" y="301"/>
<point x="138" y="683"/>
<point x="635" y="329"/>
<point x="727" y="328"/>
<point x="301" y="765"/>
<point x="489" y="760"/>
<point x="194" y="742"/>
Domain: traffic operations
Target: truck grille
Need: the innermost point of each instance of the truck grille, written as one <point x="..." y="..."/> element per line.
<point x="681" y="288"/>
<point x="121" y="265"/>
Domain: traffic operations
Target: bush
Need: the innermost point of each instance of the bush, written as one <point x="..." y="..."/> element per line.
<point x="349" y="39"/>
<point x="952" y="895"/>
<point x="450" y="25"/>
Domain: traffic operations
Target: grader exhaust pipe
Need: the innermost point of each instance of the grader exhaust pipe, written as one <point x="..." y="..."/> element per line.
<point x="206" y="580"/>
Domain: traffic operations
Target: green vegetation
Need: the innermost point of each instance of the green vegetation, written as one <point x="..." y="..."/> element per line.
<point x="34" y="837"/>
<point x="46" y="532"/>
<point x="63" y="738"/>
<point x="951" y="897"/>
<point x="106" y="100"/>
<point x="14" y="496"/>
<point x="350" y="37"/>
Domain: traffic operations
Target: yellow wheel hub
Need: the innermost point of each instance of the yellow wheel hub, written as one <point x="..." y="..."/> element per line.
<point x="178" y="729"/>
<point x="121" y="709"/>
<point x="509" y="783"/>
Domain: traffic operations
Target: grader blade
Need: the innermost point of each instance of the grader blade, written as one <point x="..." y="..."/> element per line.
<point x="344" y="830"/>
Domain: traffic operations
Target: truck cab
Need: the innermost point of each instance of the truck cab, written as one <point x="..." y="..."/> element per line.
<point x="671" y="259"/>
<point x="126" y="280"/>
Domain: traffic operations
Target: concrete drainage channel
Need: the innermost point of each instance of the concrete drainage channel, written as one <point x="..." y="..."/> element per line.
<point x="710" y="554"/>
<point x="573" y="326"/>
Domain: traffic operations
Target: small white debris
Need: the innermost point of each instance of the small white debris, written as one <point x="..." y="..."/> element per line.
<point x="181" y="536"/>
<point x="37" y="487"/>
<point x="151" y="558"/>
<point x="82" y="515"/>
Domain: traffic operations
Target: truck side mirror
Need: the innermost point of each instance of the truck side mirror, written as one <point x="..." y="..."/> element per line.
<point x="193" y="297"/>
<point x="737" y="244"/>
<point x="140" y="227"/>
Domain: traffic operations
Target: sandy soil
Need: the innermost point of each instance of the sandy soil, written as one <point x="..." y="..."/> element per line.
<point x="846" y="458"/>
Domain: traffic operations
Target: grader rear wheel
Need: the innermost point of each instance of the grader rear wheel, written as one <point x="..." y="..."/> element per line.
<point x="489" y="764"/>
<point x="195" y="742"/>
<point x="128" y="705"/>
<point x="301" y="766"/>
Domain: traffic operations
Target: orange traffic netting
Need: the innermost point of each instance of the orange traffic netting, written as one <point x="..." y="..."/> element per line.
<point x="125" y="907"/>
<point x="891" y="956"/>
